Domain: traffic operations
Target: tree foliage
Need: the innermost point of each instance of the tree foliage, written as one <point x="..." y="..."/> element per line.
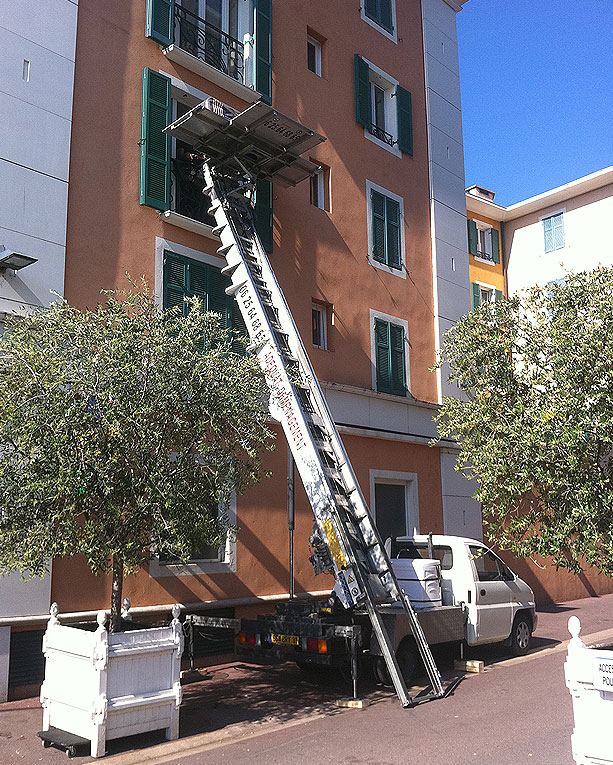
<point x="124" y="430"/>
<point x="536" y="428"/>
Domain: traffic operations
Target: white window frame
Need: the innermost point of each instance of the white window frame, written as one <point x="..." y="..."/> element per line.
<point x="373" y="350"/>
<point x="491" y="289"/>
<point x="400" y="272"/>
<point x="323" y="323"/>
<point x="317" y="45"/>
<point x="483" y="229"/>
<point x="389" y="85"/>
<point x="227" y="563"/>
<point x="562" y="212"/>
<point x="390" y="35"/>
<point x="411" y="497"/>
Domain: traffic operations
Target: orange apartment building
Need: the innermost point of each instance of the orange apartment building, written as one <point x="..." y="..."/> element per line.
<point x="485" y="262"/>
<point x="371" y="254"/>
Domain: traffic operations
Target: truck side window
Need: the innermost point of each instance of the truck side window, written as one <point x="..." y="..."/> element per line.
<point x="486" y="564"/>
<point x="445" y="555"/>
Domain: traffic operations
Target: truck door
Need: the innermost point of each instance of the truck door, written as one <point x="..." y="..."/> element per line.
<point x="493" y="596"/>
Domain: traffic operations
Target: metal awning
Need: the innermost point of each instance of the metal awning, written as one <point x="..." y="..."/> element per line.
<point x="267" y="143"/>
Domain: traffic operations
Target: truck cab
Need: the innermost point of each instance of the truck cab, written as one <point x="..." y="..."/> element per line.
<point x="500" y="606"/>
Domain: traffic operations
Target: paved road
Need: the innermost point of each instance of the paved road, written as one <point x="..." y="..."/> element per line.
<point x="518" y="711"/>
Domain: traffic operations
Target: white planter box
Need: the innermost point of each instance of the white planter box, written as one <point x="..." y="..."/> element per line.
<point x="102" y="686"/>
<point x="589" y="673"/>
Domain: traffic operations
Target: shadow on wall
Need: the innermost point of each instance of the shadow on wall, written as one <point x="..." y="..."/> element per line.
<point x="551" y="586"/>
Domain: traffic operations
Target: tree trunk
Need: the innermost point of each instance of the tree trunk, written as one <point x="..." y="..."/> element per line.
<point x="116" y="593"/>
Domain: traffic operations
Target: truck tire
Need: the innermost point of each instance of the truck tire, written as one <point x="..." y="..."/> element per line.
<point x="408" y="661"/>
<point x="520" y="635"/>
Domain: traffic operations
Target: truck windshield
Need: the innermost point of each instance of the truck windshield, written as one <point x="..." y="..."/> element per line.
<point x="442" y="553"/>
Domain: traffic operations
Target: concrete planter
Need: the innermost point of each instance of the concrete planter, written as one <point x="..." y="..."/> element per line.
<point x="589" y="678"/>
<point x="102" y="686"/>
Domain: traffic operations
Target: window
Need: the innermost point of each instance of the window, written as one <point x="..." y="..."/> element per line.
<point x="484" y="293"/>
<point x="390" y="358"/>
<point x="483" y="241"/>
<point x="319" y="318"/>
<point x="383" y="107"/>
<point x="553" y="231"/>
<point x="380" y="14"/>
<point x="314" y="56"/>
<point x="185" y="277"/>
<point x="489" y="567"/>
<point x="318" y="189"/>
<point x="385" y="216"/>
<point x="394" y="500"/>
<point x="442" y="553"/>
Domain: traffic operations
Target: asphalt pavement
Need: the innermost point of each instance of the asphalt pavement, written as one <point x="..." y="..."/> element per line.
<point x="517" y="711"/>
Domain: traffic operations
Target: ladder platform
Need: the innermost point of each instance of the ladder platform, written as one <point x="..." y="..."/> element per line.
<point x="267" y="143"/>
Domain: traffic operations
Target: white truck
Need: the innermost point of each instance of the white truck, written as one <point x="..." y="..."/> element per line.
<point x="476" y="599"/>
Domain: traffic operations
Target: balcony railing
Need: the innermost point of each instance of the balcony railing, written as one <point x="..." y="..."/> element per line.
<point x="485" y="256"/>
<point x="208" y="43"/>
<point x="186" y="192"/>
<point x="382" y="135"/>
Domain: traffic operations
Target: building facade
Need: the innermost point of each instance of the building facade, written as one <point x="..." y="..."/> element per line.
<point x="37" y="44"/>
<point x="484" y="246"/>
<point x="371" y="255"/>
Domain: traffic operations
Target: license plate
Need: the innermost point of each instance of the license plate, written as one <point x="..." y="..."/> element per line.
<point x="285" y="639"/>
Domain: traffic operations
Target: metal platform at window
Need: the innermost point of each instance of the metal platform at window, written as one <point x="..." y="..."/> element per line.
<point x="268" y="144"/>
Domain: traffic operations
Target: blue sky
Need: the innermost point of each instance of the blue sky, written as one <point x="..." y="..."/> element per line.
<point x="537" y="87"/>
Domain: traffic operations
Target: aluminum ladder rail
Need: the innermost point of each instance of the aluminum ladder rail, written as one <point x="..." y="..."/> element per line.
<point x="361" y="565"/>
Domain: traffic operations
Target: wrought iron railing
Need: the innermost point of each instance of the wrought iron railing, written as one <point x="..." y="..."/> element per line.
<point x="186" y="192"/>
<point x="382" y="135"/>
<point x="485" y="256"/>
<point x="208" y="43"/>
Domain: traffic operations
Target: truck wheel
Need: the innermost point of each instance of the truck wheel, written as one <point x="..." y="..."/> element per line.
<point x="407" y="659"/>
<point x="520" y="635"/>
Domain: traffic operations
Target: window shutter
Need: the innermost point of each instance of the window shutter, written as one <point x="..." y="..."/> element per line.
<point x="476" y="295"/>
<point x="155" y="145"/>
<point x="362" y="92"/>
<point x="382" y="356"/>
<point x="160" y="21"/>
<point x="498" y="295"/>
<point x="392" y="215"/>
<point x="385" y="14"/>
<point x="548" y="233"/>
<point x="397" y="364"/>
<point x="175" y="283"/>
<point x="405" y="120"/>
<point x="495" y="245"/>
<point x="216" y="295"/>
<point x="263" y="213"/>
<point x="377" y="204"/>
<point x="472" y="237"/>
<point x="199" y="282"/>
<point x="558" y="231"/>
<point x="263" y="49"/>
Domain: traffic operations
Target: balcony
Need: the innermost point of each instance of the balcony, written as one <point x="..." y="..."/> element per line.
<point x="211" y="53"/>
<point x="485" y="256"/>
<point x="382" y="135"/>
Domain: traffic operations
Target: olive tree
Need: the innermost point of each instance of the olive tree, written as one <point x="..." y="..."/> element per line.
<point x="123" y="431"/>
<point x="536" y="428"/>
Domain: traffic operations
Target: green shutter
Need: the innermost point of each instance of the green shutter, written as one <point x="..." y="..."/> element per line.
<point x="392" y="232"/>
<point x="175" y="282"/>
<point x="160" y="21"/>
<point x="377" y="205"/>
<point x="496" y="245"/>
<point x="216" y="295"/>
<point x="472" y="237"/>
<point x="198" y="281"/>
<point x="263" y="49"/>
<point x="476" y="295"/>
<point x="362" y="92"/>
<point x="498" y="295"/>
<point x="263" y="213"/>
<point x="155" y="145"/>
<point x="405" y="120"/>
<point x="382" y="356"/>
<point x="397" y="365"/>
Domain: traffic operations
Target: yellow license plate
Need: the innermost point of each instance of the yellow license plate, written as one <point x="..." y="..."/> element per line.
<point x="285" y="639"/>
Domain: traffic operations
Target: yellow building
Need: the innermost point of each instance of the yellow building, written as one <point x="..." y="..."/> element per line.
<point x="486" y="271"/>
